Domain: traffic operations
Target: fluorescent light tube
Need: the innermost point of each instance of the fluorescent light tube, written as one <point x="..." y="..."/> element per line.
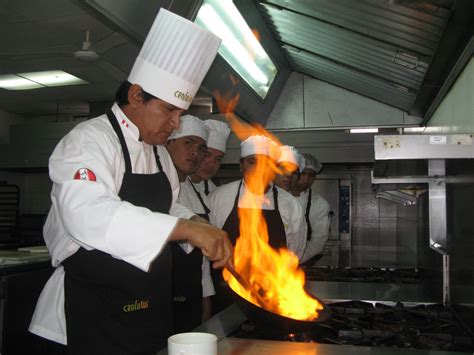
<point x="364" y="130"/>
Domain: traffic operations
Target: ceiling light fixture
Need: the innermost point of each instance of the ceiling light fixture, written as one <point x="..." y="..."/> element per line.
<point x="240" y="45"/>
<point x="364" y="130"/>
<point x="37" y="80"/>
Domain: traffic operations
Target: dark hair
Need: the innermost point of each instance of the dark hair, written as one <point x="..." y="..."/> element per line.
<point x="121" y="96"/>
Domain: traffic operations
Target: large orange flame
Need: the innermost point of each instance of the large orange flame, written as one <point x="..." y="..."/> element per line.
<point x="274" y="274"/>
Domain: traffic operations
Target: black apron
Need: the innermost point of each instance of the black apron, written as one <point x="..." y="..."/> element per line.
<point x="276" y="239"/>
<point x="187" y="285"/>
<point x="111" y="306"/>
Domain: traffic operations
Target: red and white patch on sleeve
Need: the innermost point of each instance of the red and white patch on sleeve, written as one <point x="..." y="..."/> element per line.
<point x="85" y="174"/>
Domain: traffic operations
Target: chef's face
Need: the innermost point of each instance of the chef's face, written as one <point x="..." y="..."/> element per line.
<point x="156" y="119"/>
<point x="211" y="163"/>
<point x="250" y="165"/>
<point x="187" y="154"/>
<point x="159" y="120"/>
<point x="289" y="175"/>
<point x="306" y="179"/>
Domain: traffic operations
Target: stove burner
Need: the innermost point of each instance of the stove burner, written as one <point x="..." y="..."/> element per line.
<point x="426" y="327"/>
<point x="360" y="274"/>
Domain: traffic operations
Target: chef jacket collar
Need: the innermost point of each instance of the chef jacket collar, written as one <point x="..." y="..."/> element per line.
<point x="126" y="124"/>
<point x="269" y="190"/>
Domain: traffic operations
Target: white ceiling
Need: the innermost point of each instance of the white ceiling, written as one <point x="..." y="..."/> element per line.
<point x="42" y="35"/>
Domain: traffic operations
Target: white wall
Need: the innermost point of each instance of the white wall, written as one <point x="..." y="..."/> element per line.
<point x="455" y="114"/>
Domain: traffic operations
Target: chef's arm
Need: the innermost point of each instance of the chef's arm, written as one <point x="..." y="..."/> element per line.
<point x="213" y="242"/>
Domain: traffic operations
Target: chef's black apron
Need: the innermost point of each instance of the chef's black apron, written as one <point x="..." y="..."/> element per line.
<point x="111" y="306"/>
<point x="187" y="285"/>
<point x="276" y="239"/>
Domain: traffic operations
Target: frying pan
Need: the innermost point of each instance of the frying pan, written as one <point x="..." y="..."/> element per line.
<point x="272" y="322"/>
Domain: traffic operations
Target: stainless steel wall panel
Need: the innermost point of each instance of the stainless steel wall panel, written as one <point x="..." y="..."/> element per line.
<point x="349" y="78"/>
<point x="367" y="206"/>
<point x="379" y="49"/>
<point x="413" y="28"/>
<point x="346" y="47"/>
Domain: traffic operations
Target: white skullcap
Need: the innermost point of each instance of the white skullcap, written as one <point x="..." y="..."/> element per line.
<point x="174" y="59"/>
<point x="190" y="126"/>
<point x="312" y="163"/>
<point x="259" y="145"/>
<point x="218" y="133"/>
<point x="289" y="154"/>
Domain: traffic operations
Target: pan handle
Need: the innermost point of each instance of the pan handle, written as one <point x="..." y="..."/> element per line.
<point x="246" y="284"/>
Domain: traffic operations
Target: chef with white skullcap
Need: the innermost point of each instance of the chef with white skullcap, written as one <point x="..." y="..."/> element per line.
<point x="194" y="195"/>
<point x="114" y="213"/>
<point x="315" y="207"/>
<point x="192" y="284"/>
<point x="282" y="212"/>
<point x="290" y="165"/>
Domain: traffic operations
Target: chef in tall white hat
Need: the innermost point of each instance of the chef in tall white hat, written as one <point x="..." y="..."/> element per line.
<point x="283" y="214"/>
<point x="290" y="165"/>
<point x="114" y="213"/>
<point x="194" y="195"/>
<point x="316" y="208"/>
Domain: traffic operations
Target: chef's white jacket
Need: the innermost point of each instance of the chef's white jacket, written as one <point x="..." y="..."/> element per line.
<point x="188" y="197"/>
<point x="92" y="215"/>
<point x="202" y="188"/>
<point x="319" y="222"/>
<point x="222" y="201"/>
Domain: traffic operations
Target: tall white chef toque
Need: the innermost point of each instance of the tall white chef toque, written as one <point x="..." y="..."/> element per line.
<point x="218" y="134"/>
<point x="174" y="59"/>
<point x="290" y="154"/>
<point x="312" y="163"/>
<point x="259" y="144"/>
<point x="190" y="126"/>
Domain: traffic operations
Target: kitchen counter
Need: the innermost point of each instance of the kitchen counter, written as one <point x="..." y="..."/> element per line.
<point x="225" y="322"/>
<point x="13" y="261"/>
<point x="228" y="320"/>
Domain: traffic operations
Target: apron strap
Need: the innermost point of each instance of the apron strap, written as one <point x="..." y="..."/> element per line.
<point x="157" y="158"/>
<point x="308" y="207"/>
<point x="119" y="133"/>
<point x="206" y="209"/>
<point x="275" y="198"/>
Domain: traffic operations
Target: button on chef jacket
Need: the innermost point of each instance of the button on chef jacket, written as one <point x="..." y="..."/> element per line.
<point x="96" y="218"/>
<point x="319" y="222"/>
<point x="222" y="201"/>
<point x="188" y="197"/>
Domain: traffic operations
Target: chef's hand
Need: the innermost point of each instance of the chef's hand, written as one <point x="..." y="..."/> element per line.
<point x="213" y="242"/>
<point x="199" y="219"/>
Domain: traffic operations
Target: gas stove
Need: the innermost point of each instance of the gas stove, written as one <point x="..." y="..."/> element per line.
<point x="373" y="275"/>
<point x="380" y="324"/>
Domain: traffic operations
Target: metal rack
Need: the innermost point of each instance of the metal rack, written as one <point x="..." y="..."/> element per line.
<point x="433" y="153"/>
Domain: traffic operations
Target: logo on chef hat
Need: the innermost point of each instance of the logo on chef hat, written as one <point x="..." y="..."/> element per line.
<point x="84" y="174"/>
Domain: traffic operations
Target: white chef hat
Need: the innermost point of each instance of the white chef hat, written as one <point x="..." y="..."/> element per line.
<point x="174" y="59"/>
<point x="259" y="144"/>
<point x="218" y="133"/>
<point x="290" y="154"/>
<point x="312" y="163"/>
<point x="190" y="126"/>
